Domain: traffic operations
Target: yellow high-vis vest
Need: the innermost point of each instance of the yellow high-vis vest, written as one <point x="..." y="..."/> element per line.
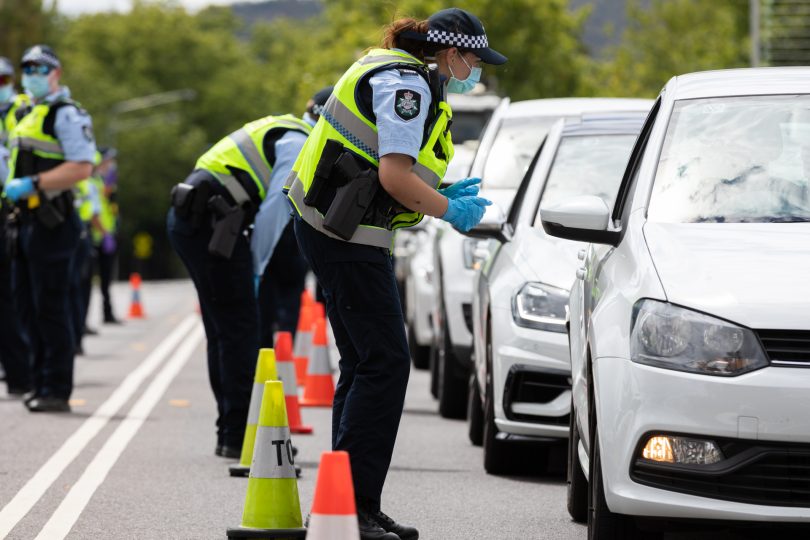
<point x="343" y="120"/>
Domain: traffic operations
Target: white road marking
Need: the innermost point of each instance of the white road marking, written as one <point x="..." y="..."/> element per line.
<point x="73" y="505"/>
<point x="32" y="491"/>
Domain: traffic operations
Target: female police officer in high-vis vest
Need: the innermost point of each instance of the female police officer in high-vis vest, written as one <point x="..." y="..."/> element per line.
<point x="371" y="165"/>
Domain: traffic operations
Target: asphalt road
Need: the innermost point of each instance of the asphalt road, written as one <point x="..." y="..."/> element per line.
<point x="136" y="459"/>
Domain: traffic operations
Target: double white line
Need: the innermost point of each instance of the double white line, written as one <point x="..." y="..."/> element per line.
<point x="68" y="512"/>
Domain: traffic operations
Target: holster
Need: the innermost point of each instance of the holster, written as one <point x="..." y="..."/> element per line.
<point x="228" y="224"/>
<point x="11" y="226"/>
<point x="52" y="212"/>
<point x="191" y="202"/>
<point x="322" y="189"/>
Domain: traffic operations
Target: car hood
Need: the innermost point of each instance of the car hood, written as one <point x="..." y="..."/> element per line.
<point x="547" y="259"/>
<point x="754" y="274"/>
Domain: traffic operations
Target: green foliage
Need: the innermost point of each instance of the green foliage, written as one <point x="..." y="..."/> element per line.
<point x="22" y="24"/>
<point x="669" y="38"/>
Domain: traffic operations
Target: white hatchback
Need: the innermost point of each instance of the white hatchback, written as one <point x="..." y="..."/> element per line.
<point x="690" y="317"/>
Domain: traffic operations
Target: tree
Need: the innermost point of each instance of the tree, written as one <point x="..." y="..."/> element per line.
<point x="668" y="38"/>
<point x="23" y="23"/>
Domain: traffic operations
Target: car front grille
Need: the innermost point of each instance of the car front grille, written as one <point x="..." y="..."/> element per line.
<point x="787" y="348"/>
<point x="764" y="473"/>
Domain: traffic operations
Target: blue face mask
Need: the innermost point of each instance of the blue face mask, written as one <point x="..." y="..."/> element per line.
<point x="455" y="86"/>
<point x="6" y="93"/>
<point x="36" y="85"/>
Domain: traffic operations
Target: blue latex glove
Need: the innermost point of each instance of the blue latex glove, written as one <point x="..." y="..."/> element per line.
<point x="464" y="213"/>
<point x="463" y="188"/>
<point x="108" y="244"/>
<point x="19" y="188"/>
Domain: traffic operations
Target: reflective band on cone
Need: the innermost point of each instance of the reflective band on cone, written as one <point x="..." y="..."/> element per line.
<point x="265" y="371"/>
<point x="334" y="515"/>
<point x="272" y="508"/>
<point x="286" y="372"/>
<point x="320" y="387"/>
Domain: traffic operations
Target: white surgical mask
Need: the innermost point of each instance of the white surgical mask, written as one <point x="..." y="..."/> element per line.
<point x="6" y="92"/>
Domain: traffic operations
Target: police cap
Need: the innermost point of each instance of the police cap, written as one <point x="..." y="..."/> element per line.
<point x="456" y="27"/>
<point x="6" y="68"/>
<point x="42" y="55"/>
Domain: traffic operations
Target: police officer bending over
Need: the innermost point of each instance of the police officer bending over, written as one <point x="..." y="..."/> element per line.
<point x="52" y="148"/>
<point x="370" y="166"/>
<point x="211" y="212"/>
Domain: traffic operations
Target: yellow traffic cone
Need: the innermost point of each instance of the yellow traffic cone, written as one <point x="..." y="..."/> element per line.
<point x="265" y="371"/>
<point x="272" y="508"/>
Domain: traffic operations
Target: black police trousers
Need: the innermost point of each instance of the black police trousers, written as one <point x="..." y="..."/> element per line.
<point x="364" y="310"/>
<point x="230" y="316"/>
<point x="42" y="273"/>
<point x="15" y="349"/>
<point x="281" y="287"/>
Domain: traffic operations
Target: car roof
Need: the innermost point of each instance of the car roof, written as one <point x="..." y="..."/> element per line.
<point x="740" y="82"/>
<point x="574" y="106"/>
<point x="478" y="102"/>
<point x="617" y="123"/>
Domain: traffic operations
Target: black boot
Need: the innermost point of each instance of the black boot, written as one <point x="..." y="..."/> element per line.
<point x="369" y="528"/>
<point x="403" y="531"/>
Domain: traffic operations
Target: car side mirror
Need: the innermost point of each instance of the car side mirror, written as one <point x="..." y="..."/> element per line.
<point x="584" y="219"/>
<point x="492" y="225"/>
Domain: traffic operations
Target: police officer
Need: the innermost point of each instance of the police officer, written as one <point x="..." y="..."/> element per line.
<point x="275" y="251"/>
<point x="382" y="144"/>
<point x="52" y="148"/>
<point x="14" y="345"/>
<point x="105" y="232"/>
<point x="210" y="214"/>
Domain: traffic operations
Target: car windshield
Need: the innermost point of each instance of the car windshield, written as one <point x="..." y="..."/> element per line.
<point x="512" y="151"/>
<point x="735" y="160"/>
<point x="588" y="165"/>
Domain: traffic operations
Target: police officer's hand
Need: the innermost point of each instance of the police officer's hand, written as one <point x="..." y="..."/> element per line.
<point x="464" y="213"/>
<point x="108" y="243"/>
<point x="19" y="188"/>
<point x="463" y="188"/>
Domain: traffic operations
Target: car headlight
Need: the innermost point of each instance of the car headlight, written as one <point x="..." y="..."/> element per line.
<point x="475" y="252"/>
<point x="540" y="306"/>
<point x="673" y="337"/>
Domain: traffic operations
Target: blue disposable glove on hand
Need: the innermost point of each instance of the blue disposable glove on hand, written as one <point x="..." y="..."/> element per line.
<point x="464" y="213"/>
<point x="19" y="188"/>
<point x="463" y="188"/>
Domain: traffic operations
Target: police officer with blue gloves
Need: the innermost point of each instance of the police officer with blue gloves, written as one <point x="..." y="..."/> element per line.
<point x="52" y="148"/>
<point x="370" y="166"/>
<point x="14" y="346"/>
<point x="211" y="213"/>
<point x="275" y="251"/>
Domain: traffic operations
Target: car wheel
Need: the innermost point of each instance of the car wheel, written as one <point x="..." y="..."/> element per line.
<point x="452" y="388"/>
<point x="420" y="354"/>
<point x="434" y="372"/>
<point x="495" y="451"/>
<point x="577" y="483"/>
<point x="475" y="413"/>
<point x="602" y="523"/>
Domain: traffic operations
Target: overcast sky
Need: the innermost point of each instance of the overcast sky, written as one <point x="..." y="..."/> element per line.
<point x="73" y="7"/>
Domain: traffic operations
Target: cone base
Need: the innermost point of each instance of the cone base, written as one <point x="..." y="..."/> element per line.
<point x="239" y="471"/>
<point x="242" y="532"/>
<point x="301" y="430"/>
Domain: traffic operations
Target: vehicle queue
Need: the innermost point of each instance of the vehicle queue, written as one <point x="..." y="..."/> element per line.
<point x="637" y="288"/>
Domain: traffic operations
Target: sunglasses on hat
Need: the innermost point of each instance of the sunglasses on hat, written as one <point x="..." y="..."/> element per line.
<point x="36" y="69"/>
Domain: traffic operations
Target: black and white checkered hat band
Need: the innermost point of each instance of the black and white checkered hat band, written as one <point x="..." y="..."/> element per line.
<point x="458" y="40"/>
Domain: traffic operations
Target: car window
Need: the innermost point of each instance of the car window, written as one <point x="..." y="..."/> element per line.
<point x="512" y="150"/>
<point x="468" y="125"/>
<point x="587" y="165"/>
<point x="517" y="202"/>
<point x="735" y="160"/>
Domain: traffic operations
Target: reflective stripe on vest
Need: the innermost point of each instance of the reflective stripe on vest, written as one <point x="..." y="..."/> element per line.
<point x="30" y="143"/>
<point x="371" y="236"/>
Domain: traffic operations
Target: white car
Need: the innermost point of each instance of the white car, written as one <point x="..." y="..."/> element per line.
<point x="690" y="316"/>
<point x="521" y="382"/>
<point x="508" y="144"/>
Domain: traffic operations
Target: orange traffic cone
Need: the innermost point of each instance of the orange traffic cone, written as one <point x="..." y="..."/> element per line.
<point x="135" y="308"/>
<point x="334" y="515"/>
<point x="303" y="342"/>
<point x="272" y="508"/>
<point x="320" y="388"/>
<point x="286" y="372"/>
<point x="306" y="298"/>
<point x="319" y="311"/>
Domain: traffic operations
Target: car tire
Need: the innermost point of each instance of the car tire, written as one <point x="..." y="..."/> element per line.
<point x="452" y="389"/>
<point x="434" y="372"/>
<point x="475" y="413"/>
<point x="602" y="523"/>
<point x="496" y="452"/>
<point x="577" y="483"/>
<point x="420" y="354"/>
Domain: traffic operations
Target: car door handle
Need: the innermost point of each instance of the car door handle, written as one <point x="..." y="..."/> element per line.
<point x="581" y="255"/>
<point x="580" y="273"/>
